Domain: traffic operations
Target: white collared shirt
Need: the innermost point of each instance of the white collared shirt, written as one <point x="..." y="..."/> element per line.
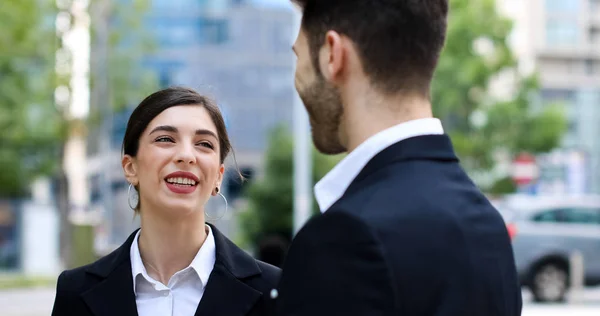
<point x="185" y="289"/>
<point x="334" y="184"/>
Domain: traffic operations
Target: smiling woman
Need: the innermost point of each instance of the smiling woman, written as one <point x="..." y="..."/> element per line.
<point x="188" y="131"/>
<point x="174" y="150"/>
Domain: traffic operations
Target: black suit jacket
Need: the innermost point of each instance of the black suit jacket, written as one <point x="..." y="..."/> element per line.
<point x="412" y="235"/>
<point x="238" y="285"/>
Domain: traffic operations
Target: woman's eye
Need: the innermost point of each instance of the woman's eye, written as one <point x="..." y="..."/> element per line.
<point x="164" y="139"/>
<point x="206" y="144"/>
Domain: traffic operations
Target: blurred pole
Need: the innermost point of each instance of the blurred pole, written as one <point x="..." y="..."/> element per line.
<point x="577" y="276"/>
<point x="77" y="40"/>
<point x="302" y="157"/>
<point x="302" y="167"/>
<point x="102" y="100"/>
<point x="62" y="99"/>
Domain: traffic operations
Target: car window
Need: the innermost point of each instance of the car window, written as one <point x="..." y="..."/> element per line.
<point x="582" y="216"/>
<point x="547" y="216"/>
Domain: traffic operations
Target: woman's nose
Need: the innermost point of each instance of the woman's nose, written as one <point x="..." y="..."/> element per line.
<point x="185" y="154"/>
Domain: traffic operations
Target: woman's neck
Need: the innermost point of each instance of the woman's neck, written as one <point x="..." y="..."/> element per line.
<point x="168" y="247"/>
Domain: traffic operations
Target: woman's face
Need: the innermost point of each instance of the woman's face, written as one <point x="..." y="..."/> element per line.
<point x="177" y="166"/>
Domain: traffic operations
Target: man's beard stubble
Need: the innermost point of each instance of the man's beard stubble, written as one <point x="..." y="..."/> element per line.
<point x="324" y="106"/>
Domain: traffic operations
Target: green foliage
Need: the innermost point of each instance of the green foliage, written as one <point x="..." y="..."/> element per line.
<point x="33" y="127"/>
<point x="504" y="186"/>
<point x="29" y="137"/>
<point x="476" y="53"/>
<point x="271" y="203"/>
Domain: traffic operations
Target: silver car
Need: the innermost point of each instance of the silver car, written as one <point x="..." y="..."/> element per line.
<point x="546" y="232"/>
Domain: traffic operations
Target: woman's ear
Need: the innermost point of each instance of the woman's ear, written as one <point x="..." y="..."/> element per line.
<point x="219" y="180"/>
<point x="221" y="173"/>
<point x="130" y="169"/>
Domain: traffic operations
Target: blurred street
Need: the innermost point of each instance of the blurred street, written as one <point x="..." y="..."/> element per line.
<point x="29" y="302"/>
<point x="589" y="306"/>
<point x="38" y="302"/>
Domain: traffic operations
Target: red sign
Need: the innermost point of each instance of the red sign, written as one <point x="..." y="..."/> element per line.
<point x="524" y="169"/>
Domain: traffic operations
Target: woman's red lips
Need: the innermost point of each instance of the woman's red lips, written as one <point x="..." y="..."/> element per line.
<point x="182" y="182"/>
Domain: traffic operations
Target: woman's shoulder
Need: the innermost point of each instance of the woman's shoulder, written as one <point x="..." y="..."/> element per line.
<point x="269" y="272"/>
<point x="82" y="278"/>
<point x="76" y="280"/>
<point x="267" y="279"/>
<point x="70" y="285"/>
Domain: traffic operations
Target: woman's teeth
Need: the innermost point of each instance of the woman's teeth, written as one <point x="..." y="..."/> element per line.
<point x="181" y="181"/>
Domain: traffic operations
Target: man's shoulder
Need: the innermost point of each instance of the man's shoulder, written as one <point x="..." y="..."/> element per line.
<point x="416" y="190"/>
<point x="336" y="226"/>
<point x="405" y="184"/>
<point x="417" y="214"/>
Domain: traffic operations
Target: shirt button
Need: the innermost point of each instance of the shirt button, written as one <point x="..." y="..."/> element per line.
<point x="166" y="293"/>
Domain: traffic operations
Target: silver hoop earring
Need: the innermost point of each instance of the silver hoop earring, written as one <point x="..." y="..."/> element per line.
<point x="136" y="198"/>
<point x="218" y="216"/>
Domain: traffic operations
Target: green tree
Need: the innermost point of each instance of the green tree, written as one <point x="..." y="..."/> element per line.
<point x="28" y="142"/>
<point x="270" y="199"/>
<point x="34" y="126"/>
<point x="480" y="125"/>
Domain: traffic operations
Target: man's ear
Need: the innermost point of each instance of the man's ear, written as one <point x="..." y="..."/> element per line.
<point x="130" y="169"/>
<point x="332" y="56"/>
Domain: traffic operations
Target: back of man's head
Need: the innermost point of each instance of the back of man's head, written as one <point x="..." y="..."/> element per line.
<point x="398" y="41"/>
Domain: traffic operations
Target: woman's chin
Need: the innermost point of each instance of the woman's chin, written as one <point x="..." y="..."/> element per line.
<point x="180" y="209"/>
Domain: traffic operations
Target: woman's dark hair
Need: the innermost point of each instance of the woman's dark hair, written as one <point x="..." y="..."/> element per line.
<point x="161" y="100"/>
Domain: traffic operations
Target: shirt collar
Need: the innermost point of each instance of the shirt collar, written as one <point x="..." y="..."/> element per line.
<point x="333" y="185"/>
<point x="202" y="263"/>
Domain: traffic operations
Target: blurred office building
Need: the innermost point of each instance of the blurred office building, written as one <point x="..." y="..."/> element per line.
<point x="560" y="39"/>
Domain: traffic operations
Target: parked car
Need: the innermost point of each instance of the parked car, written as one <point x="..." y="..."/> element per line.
<point x="546" y="232"/>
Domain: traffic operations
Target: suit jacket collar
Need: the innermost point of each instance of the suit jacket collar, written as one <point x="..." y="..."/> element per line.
<point x="333" y="185"/>
<point x="225" y="293"/>
<point x="429" y="147"/>
<point x="113" y="295"/>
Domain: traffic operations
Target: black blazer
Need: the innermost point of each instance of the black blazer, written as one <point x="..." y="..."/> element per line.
<point x="412" y="235"/>
<point x="238" y="285"/>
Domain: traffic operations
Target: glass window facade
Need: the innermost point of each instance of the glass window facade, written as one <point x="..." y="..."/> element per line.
<point x="562" y="6"/>
<point x="561" y="32"/>
<point x="177" y="32"/>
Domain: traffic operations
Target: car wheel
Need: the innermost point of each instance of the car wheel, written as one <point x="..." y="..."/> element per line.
<point x="550" y="282"/>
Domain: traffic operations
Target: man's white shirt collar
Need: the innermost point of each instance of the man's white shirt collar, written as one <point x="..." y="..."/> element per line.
<point x="202" y="264"/>
<point x="333" y="185"/>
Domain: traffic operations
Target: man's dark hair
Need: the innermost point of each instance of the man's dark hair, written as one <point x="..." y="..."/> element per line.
<point x="398" y="41"/>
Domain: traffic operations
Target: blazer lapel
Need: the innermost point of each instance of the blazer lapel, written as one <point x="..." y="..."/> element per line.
<point x="113" y="296"/>
<point x="226" y="293"/>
